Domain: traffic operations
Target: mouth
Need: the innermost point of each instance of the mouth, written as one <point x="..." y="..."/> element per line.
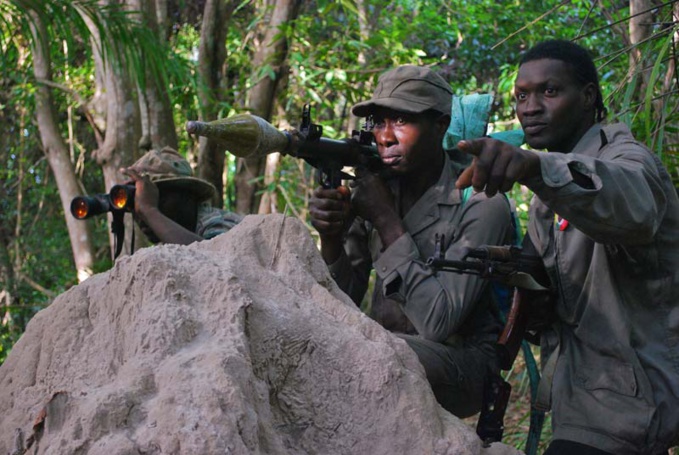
<point x="534" y="128"/>
<point x="393" y="160"/>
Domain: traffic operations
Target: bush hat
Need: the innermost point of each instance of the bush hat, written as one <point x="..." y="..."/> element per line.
<point x="168" y="169"/>
<point x="408" y="88"/>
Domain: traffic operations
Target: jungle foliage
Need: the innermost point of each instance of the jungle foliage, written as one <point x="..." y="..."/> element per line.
<point x="334" y="52"/>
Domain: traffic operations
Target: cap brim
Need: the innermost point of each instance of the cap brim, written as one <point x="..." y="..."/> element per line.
<point x="366" y="108"/>
<point x="202" y="189"/>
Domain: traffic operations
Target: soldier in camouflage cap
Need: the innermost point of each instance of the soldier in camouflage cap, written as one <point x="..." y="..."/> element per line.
<point x="411" y="89"/>
<point x="173" y="206"/>
<point x="446" y="318"/>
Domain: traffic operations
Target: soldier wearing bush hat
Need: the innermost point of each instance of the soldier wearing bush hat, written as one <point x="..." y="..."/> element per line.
<point x="389" y="223"/>
<point x="173" y="206"/>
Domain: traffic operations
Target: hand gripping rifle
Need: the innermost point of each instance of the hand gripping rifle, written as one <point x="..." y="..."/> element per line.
<point x="246" y="135"/>
<point x="509" y="266"/>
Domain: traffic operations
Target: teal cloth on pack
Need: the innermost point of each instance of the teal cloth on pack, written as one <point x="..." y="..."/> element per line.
<point x="469" y="120"/>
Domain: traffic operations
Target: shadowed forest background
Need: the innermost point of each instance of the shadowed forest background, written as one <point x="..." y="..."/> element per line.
<point x="88" y="86"/>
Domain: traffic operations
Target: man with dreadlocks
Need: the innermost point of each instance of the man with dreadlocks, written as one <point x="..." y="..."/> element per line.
<point x="605" y="220"/>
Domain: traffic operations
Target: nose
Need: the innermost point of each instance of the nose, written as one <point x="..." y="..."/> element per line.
<point x="384" y="135"/>
<point x="531" y="106"/>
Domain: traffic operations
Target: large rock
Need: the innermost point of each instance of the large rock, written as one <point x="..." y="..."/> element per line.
<point x="239" y="345"/>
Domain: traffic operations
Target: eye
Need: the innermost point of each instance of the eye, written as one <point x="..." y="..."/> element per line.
<point x="377" y="122"/>
<point x="551" y="91"/>
<point x="400" y="120"/>
<point x="520" y="96"/>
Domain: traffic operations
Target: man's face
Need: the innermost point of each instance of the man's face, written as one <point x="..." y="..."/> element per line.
<point x="178" y="205"/>
<point x="407" y="143"/>
<point x="555" y="110"/>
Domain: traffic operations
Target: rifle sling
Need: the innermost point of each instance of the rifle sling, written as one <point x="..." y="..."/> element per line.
<point x="543" y="400"/>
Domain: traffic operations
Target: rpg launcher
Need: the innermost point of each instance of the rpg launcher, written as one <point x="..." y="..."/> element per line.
<point x="246" y="135"/>
<point x="512" y="267"/>
<point x="118" y="201"/>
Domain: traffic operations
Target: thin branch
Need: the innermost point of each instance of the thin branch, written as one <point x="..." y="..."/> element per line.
<point x="589" y="12"/>
<point x="637" y="72"/>
<point x="625" y="19"/>
<point x="641" y="103"/>
<point x="674" y="48"/>
<point x="81" y="104"/>
<point x="615" y="26"/>
<point x="538" y="19"/>
<point x="289" y="202"/>
<point x="41" y="203"/>
<point x="629" y="48"/>
<point x="36" y="286"/>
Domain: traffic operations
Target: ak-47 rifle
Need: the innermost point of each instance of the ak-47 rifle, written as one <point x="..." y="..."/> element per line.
<point x="513" y="267"/>
<point x="246" y="135"/>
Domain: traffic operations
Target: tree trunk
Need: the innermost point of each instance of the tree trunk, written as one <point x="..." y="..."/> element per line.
<point x="268" y="203"/>
<point x="640" y="28"/>
<point x="158" y="129"/>
<point x="7" y="280"/>
<point x="123" y="128"/>
<point x="8" y="288"/>
<point x="671" y="78"/>
<point x="671" y="75"/>
<point x="57" y="152"/>
<point x="365" y="30"/>
<point x="162" y="19"/>
<point x="211" y="68"/>
<point x="271" y="52"/>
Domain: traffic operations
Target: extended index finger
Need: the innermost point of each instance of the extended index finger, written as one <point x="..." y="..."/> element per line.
<point x="471" y="146"/>
<point x="477" y="173"/>
<point x="465" y="178"/>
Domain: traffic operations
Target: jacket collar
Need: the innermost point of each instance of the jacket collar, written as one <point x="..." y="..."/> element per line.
<point x="590" y="142"/>
<point x="427" y="210"/>
<point x="599" y="136"/>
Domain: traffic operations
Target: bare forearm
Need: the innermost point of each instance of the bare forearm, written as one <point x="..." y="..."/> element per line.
<point x="167" y="230"/>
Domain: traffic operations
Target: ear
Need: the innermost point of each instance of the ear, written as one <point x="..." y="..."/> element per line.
<point x="442" y="124"/>
<point x="589" y="93"/>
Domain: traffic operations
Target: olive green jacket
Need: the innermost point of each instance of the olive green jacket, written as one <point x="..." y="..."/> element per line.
<point x="409" y="296"/>
<point x="614" y="263"/>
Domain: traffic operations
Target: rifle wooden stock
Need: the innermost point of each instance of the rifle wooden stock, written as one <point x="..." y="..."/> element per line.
<point x="512" y="335"/>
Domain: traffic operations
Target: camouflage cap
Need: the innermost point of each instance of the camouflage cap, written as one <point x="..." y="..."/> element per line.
<point x="408" y="88"/>
<point x="168" y="169"/>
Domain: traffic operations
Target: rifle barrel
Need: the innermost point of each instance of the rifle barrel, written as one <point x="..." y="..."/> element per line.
<point x="450" y="265"/>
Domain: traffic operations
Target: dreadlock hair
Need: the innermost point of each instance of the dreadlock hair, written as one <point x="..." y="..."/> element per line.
<point x="580" y="62"/>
